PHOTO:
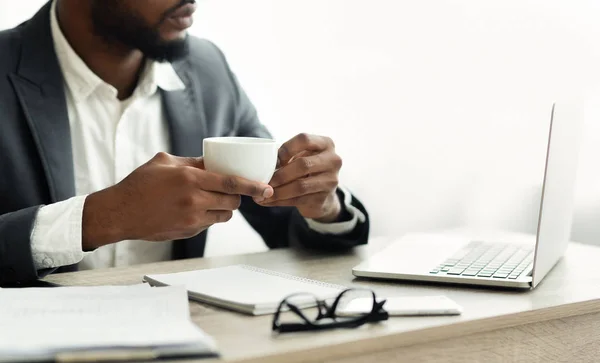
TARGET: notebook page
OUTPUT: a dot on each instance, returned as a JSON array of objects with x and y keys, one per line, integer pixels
[
  {"x": 243, "y": 285},
  {"x": 52, "y": 319}
]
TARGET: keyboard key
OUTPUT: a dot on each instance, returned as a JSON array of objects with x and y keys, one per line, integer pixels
[
  {"x": 434, "y": 271},
  {"x": 469, "y": 273},
  {"x": 500, "y": 276},
  {"x": 484, "y": 274}
]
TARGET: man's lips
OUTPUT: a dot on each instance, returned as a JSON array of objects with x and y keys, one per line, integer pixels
[
  {"x": 182, "y": 17},
  {"x": 184, "y": 11}
]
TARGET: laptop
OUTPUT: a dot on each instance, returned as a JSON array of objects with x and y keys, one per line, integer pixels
[{"x": 519, "y": 263}]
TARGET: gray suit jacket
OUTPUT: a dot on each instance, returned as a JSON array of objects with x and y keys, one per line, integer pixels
[{"x": 36, "y": 164}]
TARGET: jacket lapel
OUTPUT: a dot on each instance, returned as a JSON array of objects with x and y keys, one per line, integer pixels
[
  {"x": 187, "y": 127},
  {"x": 38, "y": 84},
  {"x": 185, "y": 115}
]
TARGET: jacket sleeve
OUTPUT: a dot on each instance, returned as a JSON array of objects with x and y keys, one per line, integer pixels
[
  {"x": 283, "y": 226},
  {"x": 16, "y": 261}
]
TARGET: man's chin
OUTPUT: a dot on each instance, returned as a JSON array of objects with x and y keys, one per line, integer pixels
[
  {"x": 167, "y": 37},
  {"x": 168, "y": 51}
]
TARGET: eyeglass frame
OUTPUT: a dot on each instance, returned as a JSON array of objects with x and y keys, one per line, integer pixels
[{"x": 325, "y": 311}]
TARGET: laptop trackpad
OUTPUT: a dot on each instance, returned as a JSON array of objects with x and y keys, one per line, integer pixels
[{"x": 414, "y": 254}]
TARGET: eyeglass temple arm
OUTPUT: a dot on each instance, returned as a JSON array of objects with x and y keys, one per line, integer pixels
[{"x": 295, "y": 327}]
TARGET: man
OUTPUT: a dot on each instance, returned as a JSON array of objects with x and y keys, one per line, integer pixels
[{"x": 103, "y": 108}]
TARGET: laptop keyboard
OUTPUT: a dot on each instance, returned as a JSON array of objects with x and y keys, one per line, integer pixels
[{"x": 482, "y": 259}]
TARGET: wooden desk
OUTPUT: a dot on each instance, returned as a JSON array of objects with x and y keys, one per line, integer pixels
[{"x": 558, "y": 321}]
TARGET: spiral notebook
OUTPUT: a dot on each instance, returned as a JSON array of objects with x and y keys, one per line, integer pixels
[{"x": 244, "y": 288}]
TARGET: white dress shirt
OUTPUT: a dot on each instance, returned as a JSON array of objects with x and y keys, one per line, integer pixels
[{"x": 110, "y": 139}]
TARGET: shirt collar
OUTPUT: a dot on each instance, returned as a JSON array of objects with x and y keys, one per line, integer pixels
[
  {"x": 155, "y": 75},
  {"x": 82, "y": 81}
]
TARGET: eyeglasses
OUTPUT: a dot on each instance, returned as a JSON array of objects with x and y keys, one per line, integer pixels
[{"x": 340, "y": 314}]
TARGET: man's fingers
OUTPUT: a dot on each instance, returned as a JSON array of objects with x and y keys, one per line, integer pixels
[
  {"x": 233, "y": 185},
  {"x": 168, "y": 159},
  {"x": 220, "y": 201},
  {"x": 315, "y": 199},
  {"x": 300, "y": 143},
  {"x": 324, "y": 182},
  {"x": 218, "y": 216},
  {"x": 217, "y": 183},
  {"x": 198, "y": 163},
  {"x": 292, "y": 202},
  {"x": 307, "y": 165}
]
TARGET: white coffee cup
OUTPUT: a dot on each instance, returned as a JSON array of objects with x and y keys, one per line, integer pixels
[{"x": 247, "y": 157}]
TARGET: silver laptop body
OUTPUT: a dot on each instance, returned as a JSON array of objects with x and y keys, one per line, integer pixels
[{"x": 511, "y": 262}]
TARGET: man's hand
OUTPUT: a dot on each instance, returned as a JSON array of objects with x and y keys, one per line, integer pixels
[
  {"x": 167, "y": 198},
  {"x": 307, "y": 178}
]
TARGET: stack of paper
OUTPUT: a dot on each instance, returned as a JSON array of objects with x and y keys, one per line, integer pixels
[{"x": 97, "y": 323}]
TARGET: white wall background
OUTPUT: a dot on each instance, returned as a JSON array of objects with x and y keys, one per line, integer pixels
[{"x": 440, "y": 108}]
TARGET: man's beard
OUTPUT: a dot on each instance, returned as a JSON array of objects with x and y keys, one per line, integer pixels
[{"x": 116, "y": 24}]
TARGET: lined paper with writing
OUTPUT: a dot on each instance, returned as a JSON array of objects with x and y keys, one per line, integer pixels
[{"x": 50, "y": 320}]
